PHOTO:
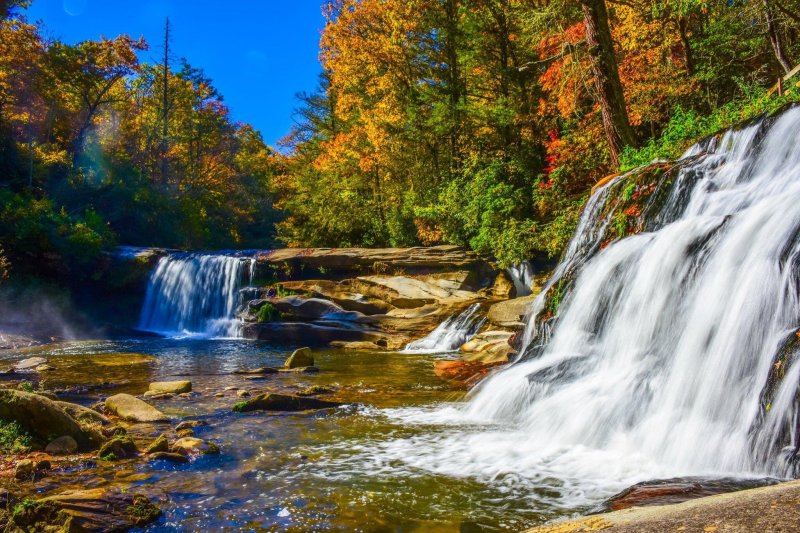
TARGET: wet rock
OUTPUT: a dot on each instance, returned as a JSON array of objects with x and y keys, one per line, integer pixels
[
  {"x": 187, "y": 432},
  {"x": 301, "y": 370},
  {"x": 510, "y": 313},
  {"x": 463, "y": 372},
  {"x": 150, "y": 395},
  {"x": 677, "y": 490},
  {"x": 44, "y": 368},
  {"x": 133, "y": 409},
  {"x": 219, "y": 395},
  {"x": 489, "y": 347},
  {"x": 261, "y": 371},
  {"x": 47, "y": 394},
  {"x": 109, "y": 432},
  {"x": 43, "y": 417},
  {"x": 83, "y": 414},
  {"x": 194, "y": 446},
  {"x": 301, "y": 357},
  {"x": 314, "y": 390},
  {"x": 95, "y": 511},
  {"x": 29, "y": 364},
  {"x": 242, "y": 394},
  {"x": 161, "y": 444},
  {"x": 231, "y": 388},
  {"x": 24, "y": 470},
  {"x": 62, "y": 446},
  {"x": 169, "y": 457},
  {"x": 189, "y": 424},
  {"x": 170, "y": 387},
  {"x": 282, "y": 402},
  {"x": 119, "y": 447},
  {"x": 364, "y": 346}
]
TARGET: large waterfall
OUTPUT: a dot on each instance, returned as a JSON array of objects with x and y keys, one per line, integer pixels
[
  {"x": 193, "y": 294},
  {"x": 672, "y": 352}
]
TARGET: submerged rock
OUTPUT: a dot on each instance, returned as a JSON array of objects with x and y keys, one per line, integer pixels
[
  {"x": 314, "y": 390},
  {"x": 170, "y": 387},
  {"x": 119, "y": 447},
  {"x": 161, "y": 444},
  {"x": 259, "y": 371},
  {"x": 95, "y": 511},
  {"x": 189, "y": 424},
  {"x": 301, "y": 357},
  {"x": 283, "y": 402},
  {"x": 169, "y": 457},
  {"x": 133, "y": 409}
]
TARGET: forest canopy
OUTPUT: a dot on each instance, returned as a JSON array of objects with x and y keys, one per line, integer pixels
[{"x": 482, "y": 123}]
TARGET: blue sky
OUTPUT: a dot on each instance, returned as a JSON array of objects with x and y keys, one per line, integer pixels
[{"x": 259, "y": 53}]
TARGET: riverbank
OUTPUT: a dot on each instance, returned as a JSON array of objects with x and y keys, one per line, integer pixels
[{"x": 774, "y": 509}]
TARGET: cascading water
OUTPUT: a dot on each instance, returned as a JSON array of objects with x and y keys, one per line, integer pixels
[
  {"x": 672, "y": 353},
  {"x": 450, "y": 334},
  {"x": 196, "y": 294},
  {"x": 522, "y": 278}
]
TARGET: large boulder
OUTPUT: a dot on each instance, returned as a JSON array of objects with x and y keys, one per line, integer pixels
[
  {"x": 133, "y": 409},
  {"x": 510, "y": 313},
  {"x": 95, "y": 511},
  {"x": 339, "y": 293},
  {"x": 489, "y": 347},
  {"x": 43, "y": 417},
  {"x": 170, "y": 387},
  {"x": 283, "y": 402}
]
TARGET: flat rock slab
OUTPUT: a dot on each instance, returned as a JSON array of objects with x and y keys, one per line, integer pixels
[
  {"x": 97, "y": 510},
  {"x": 133, "y": 409},
  {"x": 170, "y": 387},
  {"x": 283, "y": 402},
  {"x": 30, "y": 364},
  {"x": 775, "y": 509}
]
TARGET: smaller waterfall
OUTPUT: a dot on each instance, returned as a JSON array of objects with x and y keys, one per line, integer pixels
[
  {"x": 522, "y": 277},
  {"x": 196, "y": 295},
  {"x": 450, "y": 334}
]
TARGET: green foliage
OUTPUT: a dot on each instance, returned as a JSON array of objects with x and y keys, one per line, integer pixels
[
  {"x": 485, "y": 209},
  {"x": 14, "y": 438},
  {"x": 686, "y": 127},
  {"x": 268, "y": 313},
  {"x": 238, "y": 407},
  {"x": 26, "y": 386}
]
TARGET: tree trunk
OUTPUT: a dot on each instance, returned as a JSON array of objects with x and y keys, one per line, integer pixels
[
  {"x": 775, "y": 39},
  {"x": 606, "y": 78},
  {"x": 686, "y": 44}
]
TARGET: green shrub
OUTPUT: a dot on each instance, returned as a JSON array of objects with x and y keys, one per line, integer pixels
[
  {"x": 14, "y": 438},
  {"x": 268, "y": 313}
]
